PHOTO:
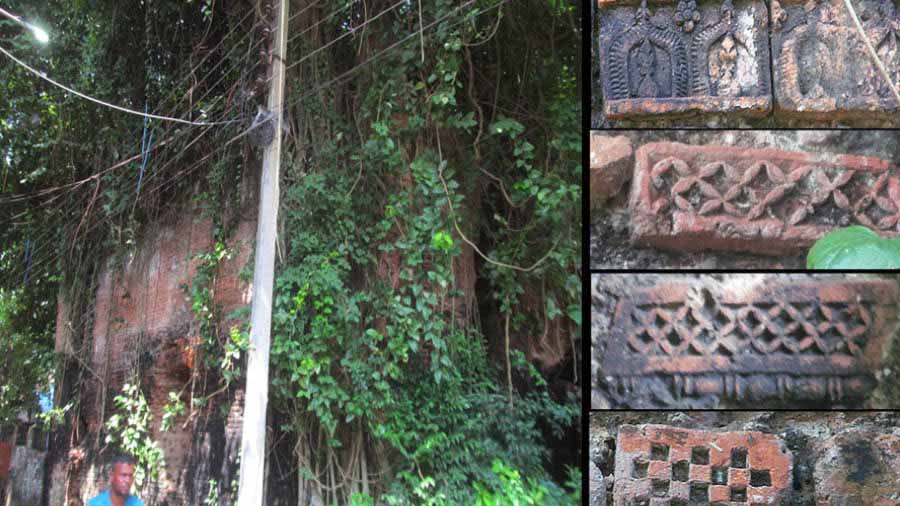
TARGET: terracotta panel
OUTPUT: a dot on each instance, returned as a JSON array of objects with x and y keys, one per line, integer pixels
[
  {"x": 765, "y": 453},
  {"x": 669, "y": 58},
  {"x": 767, "y": 201},
  {"x": 822, "y": 69},
  {"x": 816, "y": 340}
]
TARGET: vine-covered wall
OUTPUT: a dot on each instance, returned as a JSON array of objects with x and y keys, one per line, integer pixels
[{"x": 427, "y": 320}]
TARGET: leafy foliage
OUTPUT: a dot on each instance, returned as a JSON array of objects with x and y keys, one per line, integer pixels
[
  {"x": 388, "y": 325},
  {"x": 131, "y": 431},
  {"x": 26, "y": 356},
  {"x": 854, "y": 247}
]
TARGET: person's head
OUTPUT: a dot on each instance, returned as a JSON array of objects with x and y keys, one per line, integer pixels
[{"x": 121, "y": 474}]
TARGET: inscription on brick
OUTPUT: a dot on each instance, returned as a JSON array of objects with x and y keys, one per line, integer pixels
[
  {"x": 822, "y": 68},
  {"x": 815, "y": 340},
  {"x": 658, "y": 465},
  {"x": 756, "y": 200},
  {"x": 689, "y": 56}
]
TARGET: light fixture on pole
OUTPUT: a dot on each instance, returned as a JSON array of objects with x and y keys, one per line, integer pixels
[{"x": 39, "y": 33}]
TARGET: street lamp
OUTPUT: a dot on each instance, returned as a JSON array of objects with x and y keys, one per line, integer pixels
[{"x": 39, "y": 33}]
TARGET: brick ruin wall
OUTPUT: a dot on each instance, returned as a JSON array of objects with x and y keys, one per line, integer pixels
[
  {"x": 23, "y": 451},
  {"x": 142, "y": 320}
]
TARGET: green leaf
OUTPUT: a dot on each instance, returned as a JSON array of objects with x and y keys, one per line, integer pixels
[{"x": 854, "y": 248}]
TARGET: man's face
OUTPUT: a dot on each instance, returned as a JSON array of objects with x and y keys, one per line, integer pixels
[{"x": 120, "y": 479}]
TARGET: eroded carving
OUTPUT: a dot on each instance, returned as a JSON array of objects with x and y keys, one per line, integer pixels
[
  {"x": 783, "y": 341},
  {"x": 682, "y": 54},
  {"x": 821, "y": 62}
]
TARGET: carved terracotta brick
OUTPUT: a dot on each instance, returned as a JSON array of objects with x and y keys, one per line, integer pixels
[
  {"x": 768, "y": 201},
  {"x": 683, "y": 57},
  {"x": 763, "y": 338},
  {"x": 693, "y": 481},
  {"x": 612, "y": 163},
  {"x": 822, "y": 68}
]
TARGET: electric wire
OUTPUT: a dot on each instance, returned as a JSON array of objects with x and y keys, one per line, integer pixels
[
  {"x": 157, "y": 146},
  {"x": 186, "y": 172},
  {"x": 43, "y": 76}
]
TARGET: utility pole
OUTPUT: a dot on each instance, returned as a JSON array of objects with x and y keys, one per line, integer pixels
[{"x": 256, "y": 397}]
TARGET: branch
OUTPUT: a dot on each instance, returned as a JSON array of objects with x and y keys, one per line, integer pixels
[
  {"x": 472, "y": 244},
  {"x": 872, "y": 53}
]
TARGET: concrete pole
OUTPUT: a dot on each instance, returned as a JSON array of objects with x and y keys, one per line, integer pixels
[{"x": 253, "y": 435}]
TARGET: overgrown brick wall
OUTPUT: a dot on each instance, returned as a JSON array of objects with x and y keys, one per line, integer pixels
[{"x": 142, "y": 322}]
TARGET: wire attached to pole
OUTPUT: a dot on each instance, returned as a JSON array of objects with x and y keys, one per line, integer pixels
[{"x": 107, "y": 104}]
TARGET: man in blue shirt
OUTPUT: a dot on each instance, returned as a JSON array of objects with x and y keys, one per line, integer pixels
[{"x": 121, "y": 476}]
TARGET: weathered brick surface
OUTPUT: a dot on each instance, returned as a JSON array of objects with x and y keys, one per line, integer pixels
[
  {"x": 142, "y": 319},
  {"x": 674, "y": 59},
  {"x": 822, "y": 69},
  {"x": 597, "y": 490},
  {"x": 612, "y": 163},
  {"x": 5, "y": 456},
  {"x": 142, "y": 307},
  {"x": 769, "y": 201},
  {"x": 701, "y": 467},
  {"x": 818, "y": 340},
  {"x": 859, "y": 467}
]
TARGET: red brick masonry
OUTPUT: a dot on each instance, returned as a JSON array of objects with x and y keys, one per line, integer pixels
[
  {"x": 611, "y": 163},
  {"x": 658, "y": 465},
  {"x": 769, "y": 201},
  {"x": 758, "y": 339}
]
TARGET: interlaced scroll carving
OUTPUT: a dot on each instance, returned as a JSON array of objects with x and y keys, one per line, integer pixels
[
  {"x": 756, "y": 200},
  {"x": 809, "y": 194}
]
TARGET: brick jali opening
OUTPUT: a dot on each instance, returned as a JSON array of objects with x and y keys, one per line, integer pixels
[
  {"x": 699, "y": 469},
  {"x": 719, "y": 475},
  {"x": 699, "y": 493},
  {"x": 760, "y": 478},
  {"x": 660, "y": 488},
  {"x": 680, "y": 471},
  {"x": 739, "y": 458},
  {"x": 640, "y": 469},
  {"x": 659, "y": 452},
  {"x": 700, "y": 455}
]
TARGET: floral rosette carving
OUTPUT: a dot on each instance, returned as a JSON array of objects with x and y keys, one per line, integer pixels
[
  {"x": 884, "y": 208},
  {"x": 745, "y": 195},
  {"x": 825, "y": 189},
  {"x": 687, "y": 16}
]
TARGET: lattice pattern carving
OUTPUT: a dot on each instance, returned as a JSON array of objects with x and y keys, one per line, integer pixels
[
  {"x": 760, "y": 328},
  {"x": 815, "y": 340}
]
